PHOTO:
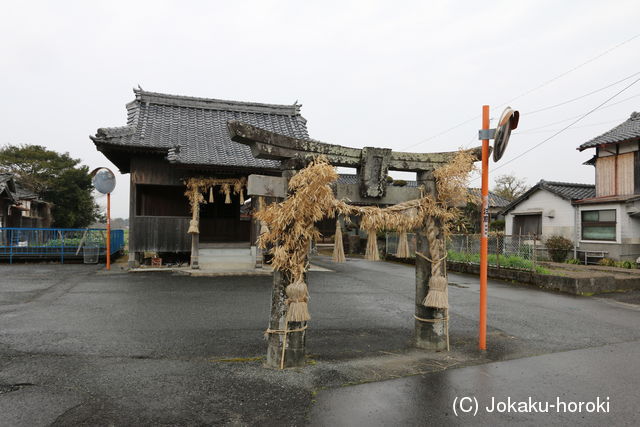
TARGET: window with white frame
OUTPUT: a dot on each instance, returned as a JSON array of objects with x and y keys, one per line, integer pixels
[{"x": 599, "y": 224}]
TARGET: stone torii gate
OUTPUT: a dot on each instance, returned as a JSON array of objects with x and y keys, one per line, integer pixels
[{"x": 372, "y": 165}]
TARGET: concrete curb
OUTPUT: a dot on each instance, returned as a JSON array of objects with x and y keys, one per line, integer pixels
[{"x": 571, "y": 285}]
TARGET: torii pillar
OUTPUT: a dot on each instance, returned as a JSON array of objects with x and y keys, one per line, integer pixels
[
  {"x": 373, "y": 165},
  {"x": 430, "y": 323}
]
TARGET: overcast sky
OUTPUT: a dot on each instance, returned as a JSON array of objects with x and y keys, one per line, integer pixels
[{"x": 389, "y": 74}]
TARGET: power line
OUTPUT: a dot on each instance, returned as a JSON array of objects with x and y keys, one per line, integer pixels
[
  {"x": 574, "y": 117},
  {"x": 442, "y": 133},
  {"x": 563, "y": 129},
  {"x": 559, "y": 76},
  {"x": 529, "y": 132},
  {"x": 573, "y": 69},
  {"x": 581, "y": 96}
]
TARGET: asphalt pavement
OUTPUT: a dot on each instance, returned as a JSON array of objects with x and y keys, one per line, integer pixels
[
  {"x": 82, "y": 346},
  {"x": 595, "y": 386}
]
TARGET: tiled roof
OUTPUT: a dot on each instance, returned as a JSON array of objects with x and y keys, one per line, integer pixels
[
  {"x": 495, "y": 201},
  {"x": 607, "y": 199},
  {"x": 627, "y": 131},
  {"x": 15, "y": 191},
  {"x": 567, "y": 190},
  {"x": 22, "y": 193},
  {"x": 193, "y": 131},
  {"x": 7, "y": 185}
]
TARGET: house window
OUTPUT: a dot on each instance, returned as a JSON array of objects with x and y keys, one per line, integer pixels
[
  {"x": 527, "y": 224},
  {"x": 599, "y": 225}
]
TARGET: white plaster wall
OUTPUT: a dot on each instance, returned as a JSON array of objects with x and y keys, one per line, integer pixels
[
  {"x": 625, "y": 147},
  {"x": 562, "y": 221},
  {"x": 627, "y": 227}
]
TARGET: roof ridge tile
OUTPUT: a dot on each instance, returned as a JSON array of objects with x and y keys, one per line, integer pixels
[{"x": 216, "y": 104}]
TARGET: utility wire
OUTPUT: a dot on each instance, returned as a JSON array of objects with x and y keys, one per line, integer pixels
[
  {"x": 575, "y": 117},
  {"x": 573, "y": 69},
  {"x": 581, "y": 96},
  {"x": 529, "y": 132},
  {"x": 563, "y": 129},
  {"x": 528, "y": 113},
  {"x": 441, "y": 133},
  {"x": 559, "y": 76}
]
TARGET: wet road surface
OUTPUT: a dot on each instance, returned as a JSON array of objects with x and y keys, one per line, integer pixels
[
  {"x": 551, "y": 387},
  {"x": 78, "y": 346}
]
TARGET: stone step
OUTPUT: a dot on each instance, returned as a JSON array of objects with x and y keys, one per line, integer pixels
[
  {"x": 225, "y": 252},
  {"x": 221, "y": 259},
  {"x": 234, "y": 265}
]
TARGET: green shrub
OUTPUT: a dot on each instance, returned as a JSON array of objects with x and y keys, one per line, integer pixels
[
  {"x": 388, "y": 179},
  {"x": 497, "y": 225},
  {"x": 573, "y": 261},
  {"x": 607, "y": 262},
  {"x": 558, "y": 248},
  {"x": 625, "y": 264},
  {"x": 399, "y": 182}
]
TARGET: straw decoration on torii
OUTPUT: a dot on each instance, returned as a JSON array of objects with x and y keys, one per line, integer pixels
[
  {"x": 291, "y": 224},
  {"x": 202, "y": 190}
]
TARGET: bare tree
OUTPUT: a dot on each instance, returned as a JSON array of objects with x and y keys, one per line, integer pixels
[{"x": 510, "y": 187}]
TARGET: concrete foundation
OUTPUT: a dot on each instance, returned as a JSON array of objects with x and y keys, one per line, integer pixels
[{"x": 597, "y": 283}]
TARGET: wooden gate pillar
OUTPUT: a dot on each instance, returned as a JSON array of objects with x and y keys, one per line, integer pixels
[
  {"x": 430, "y": 323},
  {"x": 195, "y": 235}
]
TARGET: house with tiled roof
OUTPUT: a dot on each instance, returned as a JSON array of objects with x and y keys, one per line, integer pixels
[
  {"x": 603, "y": 218},
  {"x": 610, "y": 219},
  {"x": 168, "y": 139},
  {"x": 20, "y": 207},
  {"x": 548, "y": 208},
  {"x": 7, "y": 197}
]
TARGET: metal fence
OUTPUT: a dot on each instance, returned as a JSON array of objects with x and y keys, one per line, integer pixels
[
  {"x": 503, "y": 249},
  {"x": 55, "y": 243},
  {"x": 500, "y": 247},
  {"x": 528, "y": 247}
]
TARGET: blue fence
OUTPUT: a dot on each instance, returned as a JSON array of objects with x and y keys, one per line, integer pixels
[{"x": 56, "y": 243}]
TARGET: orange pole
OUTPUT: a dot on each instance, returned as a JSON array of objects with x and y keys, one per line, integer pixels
[
  {"x": 484, "y": 231},
  {"x": 108, "y": 231}
]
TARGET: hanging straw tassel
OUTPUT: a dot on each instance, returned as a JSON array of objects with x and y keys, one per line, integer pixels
[
  {"x": 210, "y": 194},
  {"x": 438, "y": 296},
  {"x": 226, "y": 189},
  {"x": 193, "y": 227},
  {"x": 297, "y": 297},
  {"x": 241, "y": 197},
  {"x": 372, "y": 247},
  {"x": 338, "y": 248},
  {"x": 403, "y": 246}
]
